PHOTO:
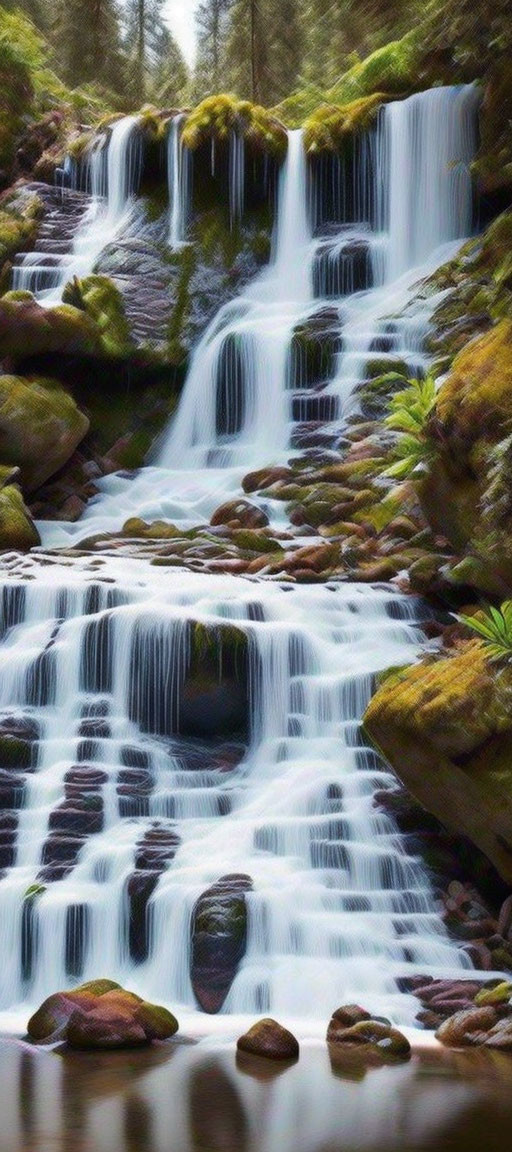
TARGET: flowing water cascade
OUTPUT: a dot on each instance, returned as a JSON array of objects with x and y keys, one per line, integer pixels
[
  {"x": 95, "y": 665},
  {"x": 124, "y": 774},
  {"x": 179, "y": 175},
  {"x": 111, "y": 174}
]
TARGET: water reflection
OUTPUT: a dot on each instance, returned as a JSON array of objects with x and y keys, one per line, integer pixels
[{"x": 192, "y": 1099}]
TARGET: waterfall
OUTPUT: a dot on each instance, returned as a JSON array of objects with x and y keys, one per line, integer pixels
[
  {"x": 179, "y": 180},
  {"x": 112, "y": 172},
  {"x": 94, "y": 657},
  {"x": 236, "y": 178},
  {"x": 432, "y": 139},
  {"x": 339, "y": 908}
]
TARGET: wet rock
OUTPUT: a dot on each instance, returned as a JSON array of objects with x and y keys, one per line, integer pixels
[
  {"x": 344, "y": 1018},
  {"x": 501, "y": 994},
  {"x": 100, "y": 1014},
  {"x": 269, "y": 1039},
  {"x": 219, "y": 937},
  {"x": 466, "y": 1027},
  {"x": 119, "y": 1019},
  {"x": 374, "y": 1038},
  {"x": 17, "y": 737},
  {"x": 239, "y": 514},
  {"x": 55, "y": 1012}
]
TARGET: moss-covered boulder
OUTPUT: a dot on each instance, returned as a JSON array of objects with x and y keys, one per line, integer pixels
[
  {"x": 371, "y": 1038},
  {"x": 466, "y": 490},
  {"x": 18, "y": 532},
  {"x": 445, "y": 726},
  {"x": 40, "y": 427},
  {"x": 54, "y": 1013},
  {"x": 99, "y": 298},
  {"x": 17, "y": 738},
  {"x": 27, "y": 329},
  {"x": 100, "y": 1014},
  {"x": 218, "y": 939}
]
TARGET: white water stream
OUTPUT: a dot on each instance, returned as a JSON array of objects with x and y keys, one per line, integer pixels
[{"x": 339, "y": 909}]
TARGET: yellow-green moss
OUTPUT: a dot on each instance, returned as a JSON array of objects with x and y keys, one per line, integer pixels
[
  {"x": 27, "y": 329},
  {"x": 40, "y": 427},
  {"x": 445, "y": 727},
  {"x": 219, "y": 116},
  {"x": 330, "y": 124},
  {"x": 99, "y": 298},
  {"x": 17, "y": 531},
  {"x": 476, "y": 399}
]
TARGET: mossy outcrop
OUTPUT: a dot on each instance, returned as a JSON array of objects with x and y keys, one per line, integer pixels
[
  {"x": 465, "y": 490},
  {"x": 98, "y": 298},
  {"x": 18, "y": 533},
  {"x": 218, "y": 116},
  {"x": 28, "y": 330},
  {"x": 445, "y": 726},
  {"x": 329, "y": 125},
  {"x": 40, "y": 426}
]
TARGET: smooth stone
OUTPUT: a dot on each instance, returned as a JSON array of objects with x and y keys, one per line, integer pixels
[{"x": 269, "y": 1039}]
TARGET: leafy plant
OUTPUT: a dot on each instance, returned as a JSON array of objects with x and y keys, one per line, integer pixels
[
  {"x": 494, "y": 625},
  {"x": 410, "y": 413}
]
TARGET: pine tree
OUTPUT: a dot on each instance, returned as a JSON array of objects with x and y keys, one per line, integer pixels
[
  {"x": 148, "y": 43},
  {"x": 87, "y": 40},
  {"x": 211, "y": 26},
  {"x": 264, "y": 48}
]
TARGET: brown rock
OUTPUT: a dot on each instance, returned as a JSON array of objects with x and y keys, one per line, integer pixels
[
  {"x": 464, "y": 1027},
  {"x": 269, "y": 1039},
  {"x": 344, "y": 1018},
  {"x": 376, "y": 1037}
]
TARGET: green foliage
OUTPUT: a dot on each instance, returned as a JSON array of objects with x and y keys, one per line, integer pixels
[
  {"x": 218, "y": 116},
  {"x": 410, "y": 413},
  {"x": 494, "y": 625}
]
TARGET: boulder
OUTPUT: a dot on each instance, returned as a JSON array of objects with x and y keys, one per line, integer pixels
[
  {"x": 219, "y": 937},
  {"x": 17, "y": 737},
  {"x": 444, "y": 725},
  {"x": 269, "y": 1039},
  {"x": 466, "y": 1027},
  {"x": 344, "y": 1018},
  {"x": 239, "y": 514},
  {"x": 40, "y": 427},
  {"x": 18, "y": 532},
  {"x": 54, "y": 1013},
  {"x": 100, "y": 1014},
  {"x": 372, "y": 1038},
  {"x": 27, "y": 329}
]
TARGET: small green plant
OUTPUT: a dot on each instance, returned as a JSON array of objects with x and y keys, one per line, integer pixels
[
  {"x": 494, "y": 625},
  {"x": 33, "y": 891},
  {"x": 410, "y": 413}
]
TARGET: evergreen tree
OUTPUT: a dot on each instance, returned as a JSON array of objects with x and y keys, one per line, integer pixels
[
  {"x": 264, "y": 48},
  {"x": 87, "y": 40},
  {"x": 211, "y": 27},
  {"x": 151, "y": 49}
]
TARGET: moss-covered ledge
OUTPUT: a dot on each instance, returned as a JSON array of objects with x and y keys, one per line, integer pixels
[
  {"x": 445, "y": 727},
  {"x": 218, "y": 116}
]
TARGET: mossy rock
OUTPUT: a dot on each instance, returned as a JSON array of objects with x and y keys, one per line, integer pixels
[
  {"x": 475, "y": 401},
  {"x": 329, "y": 126},
  {"x": 99, "y": 298},
  {"x": 218, "y": 939},
  {"x": 27, "y": 329},
  {"x": 218, "y": 116},
  {"x": 40, "y": 427},
  {"x": 445, "y": 727},
  {"x": 18, "y": 533}
]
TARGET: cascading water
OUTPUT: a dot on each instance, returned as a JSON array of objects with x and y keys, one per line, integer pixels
[
  {"x": 179, "y": 180},
  {"x": 95, "y": 654},
  {"x": 112, "y": 170}
]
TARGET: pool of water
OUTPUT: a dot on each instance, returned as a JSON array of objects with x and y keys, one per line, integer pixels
[{"x": 197, "y": 1098}]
